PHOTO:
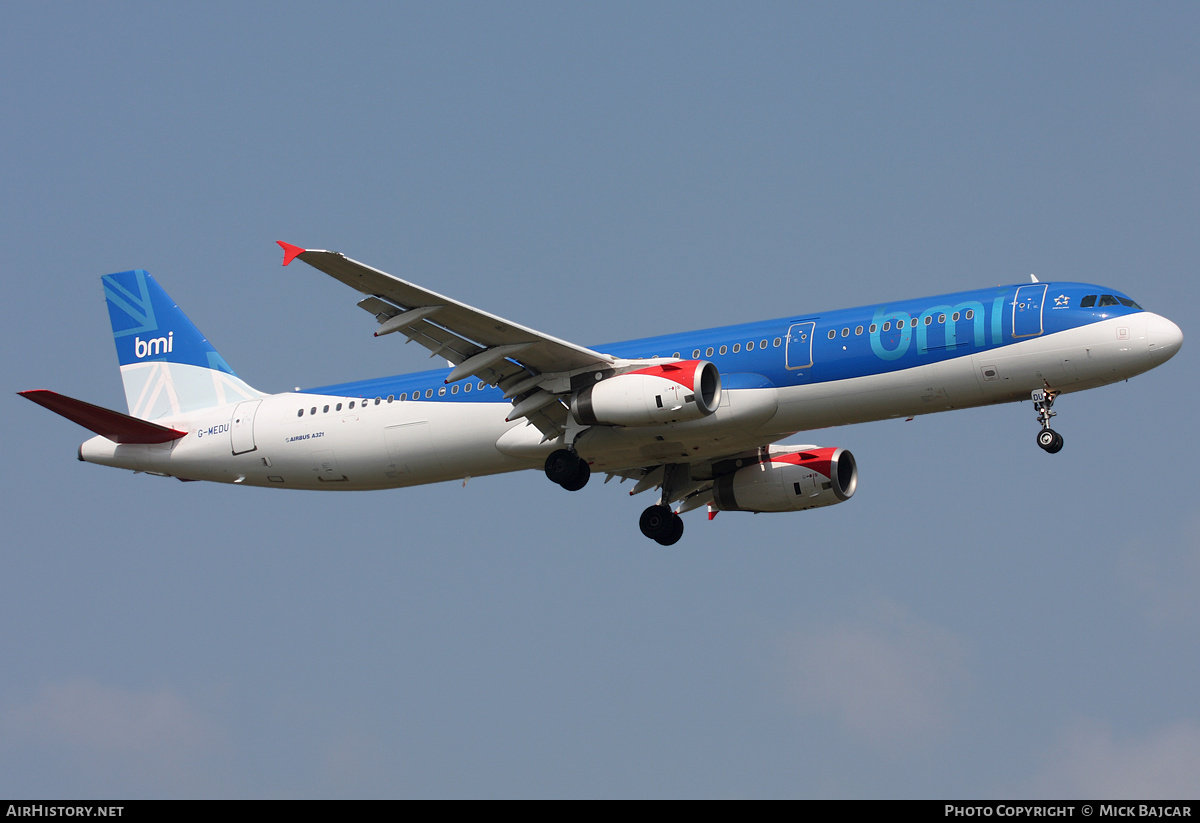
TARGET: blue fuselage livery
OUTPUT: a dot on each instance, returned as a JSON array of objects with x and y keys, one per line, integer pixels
[
  {"x": 848, "y": 343},
  {"x": 696, "y": 415}
]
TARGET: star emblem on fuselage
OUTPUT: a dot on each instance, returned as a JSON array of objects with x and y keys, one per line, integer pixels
[{"x": 1061, "y": 301}]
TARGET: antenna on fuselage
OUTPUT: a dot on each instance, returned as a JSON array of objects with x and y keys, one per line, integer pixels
[{"x": 1033, "y": 277}]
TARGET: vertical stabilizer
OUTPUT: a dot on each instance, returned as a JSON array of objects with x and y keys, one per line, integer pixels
[{"x": 167, "y": 365}]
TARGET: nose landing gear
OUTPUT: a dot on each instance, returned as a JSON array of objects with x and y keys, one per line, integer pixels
[{"x": 1048, "y": 439}]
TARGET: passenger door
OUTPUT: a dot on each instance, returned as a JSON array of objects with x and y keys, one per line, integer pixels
[{"x": 800, "y": 345}]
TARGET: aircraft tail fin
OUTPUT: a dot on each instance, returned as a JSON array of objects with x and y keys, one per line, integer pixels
[{"x": 167, "y": 365}]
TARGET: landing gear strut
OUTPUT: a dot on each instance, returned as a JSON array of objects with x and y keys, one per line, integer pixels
[
  {"x": 568, "y": 470},
  {"x": 1050, "y": 441}
]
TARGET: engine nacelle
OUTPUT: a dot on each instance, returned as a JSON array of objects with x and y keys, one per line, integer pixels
[
  {"x": 666, "y": 393},
  {"x": 789, "y": 481}
]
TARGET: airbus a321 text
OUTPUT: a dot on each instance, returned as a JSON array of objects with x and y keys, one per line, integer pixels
[{"x": 696, "y": 415}]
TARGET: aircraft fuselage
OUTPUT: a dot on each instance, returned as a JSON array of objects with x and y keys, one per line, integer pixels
[{"x": 797, "y": 373}]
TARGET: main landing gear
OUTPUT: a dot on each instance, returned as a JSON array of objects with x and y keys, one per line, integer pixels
[
  {"x": 568, "y": 469},
  {"x": 661, "y": 525},
  {"x": 1050, "y": 441},
  {"x": 658, "y": 522}
]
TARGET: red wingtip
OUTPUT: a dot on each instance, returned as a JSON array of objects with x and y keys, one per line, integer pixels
[{"x": 289, "y": 251}]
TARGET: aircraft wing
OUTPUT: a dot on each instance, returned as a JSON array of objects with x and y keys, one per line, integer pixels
[{"x": 530, "y": 366}]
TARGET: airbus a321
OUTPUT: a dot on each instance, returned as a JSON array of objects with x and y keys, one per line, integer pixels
[{"x": 697, "y": 416}]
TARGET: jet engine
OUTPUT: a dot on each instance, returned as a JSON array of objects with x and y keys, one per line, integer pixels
[
  {"x": 788, "y": 481},
  {"x": 666, "y": 393}
]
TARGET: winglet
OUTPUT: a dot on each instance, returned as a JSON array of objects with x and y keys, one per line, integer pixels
[{"x": 290, "y": 252}]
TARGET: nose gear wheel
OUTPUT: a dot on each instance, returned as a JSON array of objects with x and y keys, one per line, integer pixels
[{"x": 1048, "y": 439}]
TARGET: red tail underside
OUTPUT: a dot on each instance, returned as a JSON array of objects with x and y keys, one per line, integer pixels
[{"x": 117, "y": 427}]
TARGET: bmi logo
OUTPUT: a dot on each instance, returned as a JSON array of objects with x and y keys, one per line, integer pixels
[{"x": 158, "y": 345}]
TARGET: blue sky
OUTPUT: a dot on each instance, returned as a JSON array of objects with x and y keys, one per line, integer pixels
[{"x": 980, "y": 620}]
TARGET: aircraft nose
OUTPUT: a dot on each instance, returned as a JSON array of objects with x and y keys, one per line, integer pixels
[{"x": 1163, "y": 337}]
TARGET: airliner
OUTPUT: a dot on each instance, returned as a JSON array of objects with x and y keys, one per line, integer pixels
[{"x": 697, "y": 416}]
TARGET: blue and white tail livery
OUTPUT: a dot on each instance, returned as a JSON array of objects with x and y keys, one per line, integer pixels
[
  {"x": 697, "y": 416},
  {"x": 167, "y": 365}
]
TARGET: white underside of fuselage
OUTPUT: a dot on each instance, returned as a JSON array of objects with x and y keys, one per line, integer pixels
[{"x": 387, "y": 445}]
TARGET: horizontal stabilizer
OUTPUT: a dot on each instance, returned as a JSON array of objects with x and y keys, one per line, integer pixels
[{"x": 117, "y": 427}]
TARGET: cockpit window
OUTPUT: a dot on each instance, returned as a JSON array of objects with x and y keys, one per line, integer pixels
[{"x": 1108, "y": 300}]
